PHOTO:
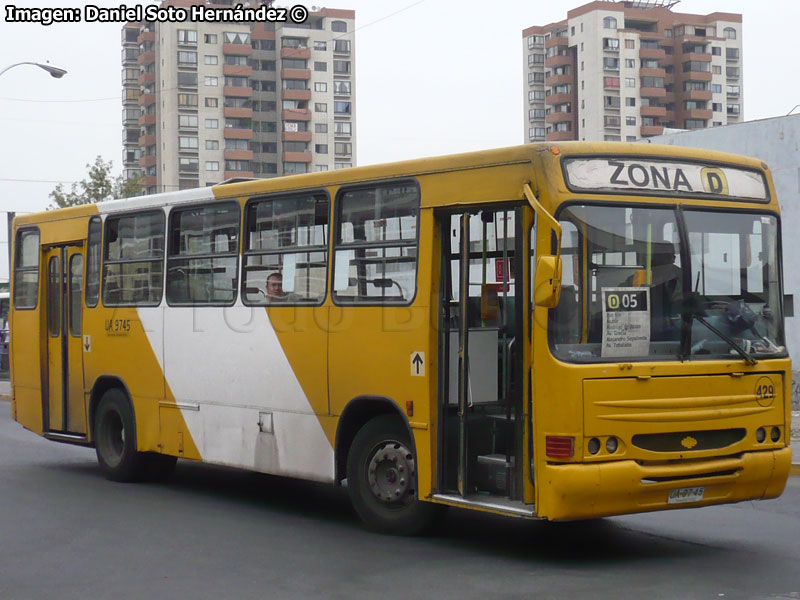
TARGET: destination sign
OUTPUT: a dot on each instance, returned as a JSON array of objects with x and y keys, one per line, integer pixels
[{"x": 671, "y": 178}]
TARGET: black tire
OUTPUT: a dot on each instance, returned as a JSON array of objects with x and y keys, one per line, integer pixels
[
  {"x": 382, "y": 479},
  {"x": 115, "y": 438}
]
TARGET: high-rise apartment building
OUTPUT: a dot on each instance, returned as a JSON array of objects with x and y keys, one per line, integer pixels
[
  {"x": 621, "y": 71},
  {"x": 207, "y": 101}
]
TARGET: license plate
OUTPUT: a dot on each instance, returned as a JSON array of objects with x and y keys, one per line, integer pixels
[{"x": 681, "y": 495}]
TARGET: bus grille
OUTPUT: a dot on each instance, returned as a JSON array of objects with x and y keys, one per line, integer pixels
[{"x": 688, "y": 441}]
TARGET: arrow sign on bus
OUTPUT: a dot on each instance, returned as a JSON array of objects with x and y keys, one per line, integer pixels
[{"x": 418, "y": 364}]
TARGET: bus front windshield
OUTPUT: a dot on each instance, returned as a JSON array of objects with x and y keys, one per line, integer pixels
[{"x": 631, "y": 290}]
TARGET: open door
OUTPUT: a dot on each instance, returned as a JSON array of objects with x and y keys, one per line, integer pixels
[
  {"x": 65, "y": 409},
  {"x": 481, "y": 351}
]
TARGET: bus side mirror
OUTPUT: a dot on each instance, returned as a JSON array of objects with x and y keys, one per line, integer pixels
[{"x": 547, "y": 282}]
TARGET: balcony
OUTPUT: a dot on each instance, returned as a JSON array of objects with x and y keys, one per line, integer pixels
[
  {"x": 146, "y": 58},
  {"x": 147, "y": 120},
  {"x": 652, "y": 92},
  {"x": 696, "y": 56},
  {"x": 296, "y": 94},
  {"x": 302, "y": 157},
  {"x": 651, "y": 130},
  {"x": 558, "y": 80},
  {"x": 237, "y": 49},
  {"x": 558, "y": 98},
  {"x": 147, "y": 140},
  {"x": 652, "y": 53},
  {"x": 145, "y": 78},
  {"x": 653, "y": 111},
  {"x": 234, "y": 174},
  {"x": 296, "y": 53},
  {"x": 659, "y": 72},
  {"x": 237, "y": 113},
  {"x": 237, "y": 134},
  {"x": 560, "y": 136},
  {"x": 697, "y": 95},
  {"x": 147, "y": 161},
  {"x": 296, "y": 114},
  {"x": 237, "y": 70},
  {"x": 558, "y": 117},
  {"x": 149, "y": 180},
  {"x": 557, "y": 61},
  {"x": 238, "y": 154},
  {"x": 296, "y": 136},
  {"x": 556, "y": 41},
  {"x": 237, "y": 92},
  {"x": 295, "y": 73},
  {"x": 146, "y": 36},
  {"x": 259, "y": 33},
  {"x": 696, "y": 76},
  {"x": 695, "y": 113}
]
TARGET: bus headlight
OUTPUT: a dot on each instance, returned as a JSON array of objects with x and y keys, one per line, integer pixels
[
  {"x": 593, "y": 446},
  {"x": 775, "y": 434},
  {"x": 761, "y": 434},
  {"x": 611, "y": 445}
]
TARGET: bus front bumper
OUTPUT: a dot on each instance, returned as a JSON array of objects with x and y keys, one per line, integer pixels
[{"x": 585, "y": 491}]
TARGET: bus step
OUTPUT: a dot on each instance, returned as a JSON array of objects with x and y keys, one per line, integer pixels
[
  {"x": 493, "y": 504},
  {"x": 68, "y": 438}
]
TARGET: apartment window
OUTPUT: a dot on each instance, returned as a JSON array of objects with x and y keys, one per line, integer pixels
[
  {"x": 188, "y": 164},
  {"x": 536, "y": 114},
  {"x": 233, "y": 144},
  {"x": 536, "y": 77},
  {"x": 236, "y": 38},
  {"x": 187, "y": 58},
  {"x": 630, "y": 82},
  {"x": 211, "y": 81},
  {"x": 237, "y": 165},
  {"x": 211, "y": 102},
  {"x": 236, "y": 61},
  {"x": 294, "y": 63},
  {"x": 732, "y": 72},
  {"x": 696, "y": 66},
  {"x": 234, "y": 102},
  {"x": 611, "y": 63},
  {"x": 320, "y": 107},
  {"x": 341, "y": 66},
  {"x": 320, "y": 128},
  {"x": 535, "y": 59},
  {"x": 187, "y": 100},
  {"x": 716, "y": 88},
  {"x": 566, "y": 88},
  {"x": 266, "y": 106},
  {"x": 321, "y": 46},
  {"x": 187, "y": 142},
  {"x": 212, "y": 165},
  {"x": 341, "y": 108},
  {"x": 210, "y": 59},
  {"x": 376, "y": 245},
  {"x": 716, "y": 106},
  {"x": 701, "y": 86},
  {"x": 203, "y": 255},
  {"x": 694, "y": 124},
  {"x": 321, "y": 148},
  {"x": 286, "y": 237},
  {"x": 536, "y": 132},
  {"x": 318, "y": 168},
  {"x": 536, "y": 96},
  {"x": 133, "y": 264},
  {"x": 212, "y": 123},
  {"x": 612, "y": 138},
  {"x": 652, "y": 82},
  {"x": 235, "y": 81},
  {"x": 342, "y": 128},
  {"x": 210, "y": 38},
  {"x": 716, "y": 51},
  {"x": 611, "y": 82},
  {"x": 611, "y": 120},
  {"x": 26, "y": 269},
  {"x": 733, "y": 109},
  {"x": 611, "y": 101},
  {"x": 630, "y": 44},
  {"x": 630, "y": 121},
  {"x": 535, "y": 40},
  {"x": 212, "y": 144},
  {"x": 610, "y": 44},
  {"x": 320, "y": 86},
  {"x": 732, "y": 53},
  {"x": 320, "y": 66},
  {"x": 294, "y": 126},
  {"x": 187, "y": 121},
  {"x": 339, "y": 26},
  {"x": 295, "y": 146},
  {"x": 295, "y": 167},
  {"x": 732, "y": 90},
  {"x": 716, "y": 69},
  {"x": 341, "y": 88},
  {"x": 630, "y": 101},
  {"x": 342, "y": 46},
  {"x": 609, "y": 23},
  {"x": 630, "y": 63},
  {"x": 343, "y": 148},
  {"x": 562, "y": 126},
  {"x": 342, "y": 165},
  {"x": 729, "y": 33},
  {"x": 187, "y": 79},
  {"x": 187, "y": 36}
]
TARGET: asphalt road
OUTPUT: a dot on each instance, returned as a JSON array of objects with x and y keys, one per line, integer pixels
[{"x": 65, "y": 532}]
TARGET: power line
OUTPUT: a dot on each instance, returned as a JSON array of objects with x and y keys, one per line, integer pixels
[{"x": 37, "y": 180}]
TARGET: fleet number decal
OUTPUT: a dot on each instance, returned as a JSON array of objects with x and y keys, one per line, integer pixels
[
  {"x": 117, "y": 327},
  {"x": 765, "y": 391}
]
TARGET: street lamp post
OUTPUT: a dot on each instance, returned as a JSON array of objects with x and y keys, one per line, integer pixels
[{"x": 54, "y": 71}]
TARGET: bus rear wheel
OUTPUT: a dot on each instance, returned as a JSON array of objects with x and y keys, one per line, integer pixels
[
  {"x": 115, "y": 438},
  {"x": 382, "y": 479}
]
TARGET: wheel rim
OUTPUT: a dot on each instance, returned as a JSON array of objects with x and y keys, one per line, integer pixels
[
  {"x": 390, "y": 473},
  {"x": 112, "y": 438}
]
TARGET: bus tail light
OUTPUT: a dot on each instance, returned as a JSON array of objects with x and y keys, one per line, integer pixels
[{"x": 559, "y": 446}]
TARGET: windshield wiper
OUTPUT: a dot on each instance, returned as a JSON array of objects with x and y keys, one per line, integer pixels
[{"x": 748, "y": 358}]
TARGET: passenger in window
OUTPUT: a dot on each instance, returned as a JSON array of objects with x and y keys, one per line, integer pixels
[{"x": 275, "y": 291}]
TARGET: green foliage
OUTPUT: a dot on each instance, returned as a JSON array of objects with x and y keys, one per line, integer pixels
[{"x": 97, "y": 187}]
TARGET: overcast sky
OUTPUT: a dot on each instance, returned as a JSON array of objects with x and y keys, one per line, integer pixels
[{"x": 432, "y": 77}]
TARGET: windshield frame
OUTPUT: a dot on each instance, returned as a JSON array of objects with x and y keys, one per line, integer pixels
[{"x": 687, "y": 318}]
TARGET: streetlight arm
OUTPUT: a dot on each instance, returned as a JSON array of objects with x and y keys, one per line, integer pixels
[{"x": 54, "y": 71}]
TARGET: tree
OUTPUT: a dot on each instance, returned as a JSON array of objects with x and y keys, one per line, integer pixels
[{"x": 98, "y": 187}]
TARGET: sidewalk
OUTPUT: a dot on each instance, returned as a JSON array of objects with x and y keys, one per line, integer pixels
[{"x": 795, "y": 443}]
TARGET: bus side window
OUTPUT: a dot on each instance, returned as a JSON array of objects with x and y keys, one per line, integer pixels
[
  {"x": 26, "y": 269},
  {"x": 93, "y": 262}
]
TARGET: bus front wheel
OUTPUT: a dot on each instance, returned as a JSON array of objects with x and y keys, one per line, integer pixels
[
  {"x": 382, "y": 479},
  {"x": 115, "y": 438}
]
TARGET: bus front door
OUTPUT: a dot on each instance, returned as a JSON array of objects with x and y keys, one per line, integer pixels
[
  {"x": 64, "y": 406},
  {"x": 480, "y": 347}
]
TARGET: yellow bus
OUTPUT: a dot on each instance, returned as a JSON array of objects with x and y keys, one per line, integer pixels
[{"x": 560, "y": 331}]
